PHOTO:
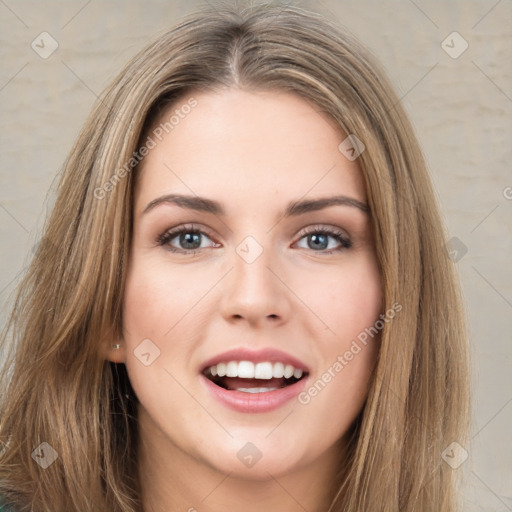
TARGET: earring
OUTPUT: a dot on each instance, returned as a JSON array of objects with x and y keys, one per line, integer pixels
[{"x": 117, "y": 346}]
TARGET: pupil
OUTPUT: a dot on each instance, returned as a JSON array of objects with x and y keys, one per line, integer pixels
[
  {"x": 188, "y": 238},
  {"x": 316, "y": 237}
]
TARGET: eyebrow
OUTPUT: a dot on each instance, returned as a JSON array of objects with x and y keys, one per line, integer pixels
[{"x": 293, "y": 208}]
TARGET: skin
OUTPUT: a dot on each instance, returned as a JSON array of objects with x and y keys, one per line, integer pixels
[{"x": 254, "y": 152}]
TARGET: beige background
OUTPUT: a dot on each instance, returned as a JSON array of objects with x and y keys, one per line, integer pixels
[{"x": 461, "y": 108}]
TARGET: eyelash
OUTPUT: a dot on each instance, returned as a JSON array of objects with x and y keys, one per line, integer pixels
[{"x": 165, "y": 238}]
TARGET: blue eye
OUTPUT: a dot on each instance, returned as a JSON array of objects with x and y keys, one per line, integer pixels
[
  {"x": 190, "y": 238},
  {"x": 319, "y": 239}
]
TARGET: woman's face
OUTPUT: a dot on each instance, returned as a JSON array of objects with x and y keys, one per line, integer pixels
[{"x": 256, "y": 285}]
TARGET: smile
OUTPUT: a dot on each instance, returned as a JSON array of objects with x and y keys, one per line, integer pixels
[
  {"x": 253, "y": 383},
  {"x": 248, "y": 377}
]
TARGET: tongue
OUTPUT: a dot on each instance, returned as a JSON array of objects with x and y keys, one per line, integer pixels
[{"x": 237, "y": 382}]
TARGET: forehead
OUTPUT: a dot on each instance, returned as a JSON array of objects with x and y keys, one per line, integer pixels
[{"x": 242, "y": 145}]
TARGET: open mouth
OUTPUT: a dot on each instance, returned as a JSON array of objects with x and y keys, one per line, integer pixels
[{"x": 249, "y": 377}]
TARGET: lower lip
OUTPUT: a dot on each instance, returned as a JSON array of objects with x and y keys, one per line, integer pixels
[{"x": 254, "y": 402}]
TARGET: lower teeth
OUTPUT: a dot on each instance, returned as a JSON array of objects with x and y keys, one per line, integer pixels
[{"x": 255, "y": 390}]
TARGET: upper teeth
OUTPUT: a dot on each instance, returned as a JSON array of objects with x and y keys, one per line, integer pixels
[{"x": 249, "y": 370}]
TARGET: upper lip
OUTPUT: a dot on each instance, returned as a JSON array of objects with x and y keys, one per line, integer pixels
[{"x": 256, "y": 356}]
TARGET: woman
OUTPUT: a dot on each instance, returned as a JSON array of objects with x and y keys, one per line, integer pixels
[{"x": 308, "y": 354}]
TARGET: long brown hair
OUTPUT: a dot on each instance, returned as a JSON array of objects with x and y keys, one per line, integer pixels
[{"x": 56, "y": 389}]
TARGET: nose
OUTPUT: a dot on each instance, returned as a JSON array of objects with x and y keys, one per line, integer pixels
[{"x": 254, "y": 290}]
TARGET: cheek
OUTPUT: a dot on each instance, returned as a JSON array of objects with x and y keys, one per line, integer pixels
[
  {"x": 155, "y": 308},
  {"x": 155, "y": 299},
  {"x": 349, "y": 352},
  {"x": 165, "y": 306},
  {"x": 353, "y": 302}
]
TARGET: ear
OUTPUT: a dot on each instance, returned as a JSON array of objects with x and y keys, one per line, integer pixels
[{"x": 113, "y": 348}]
